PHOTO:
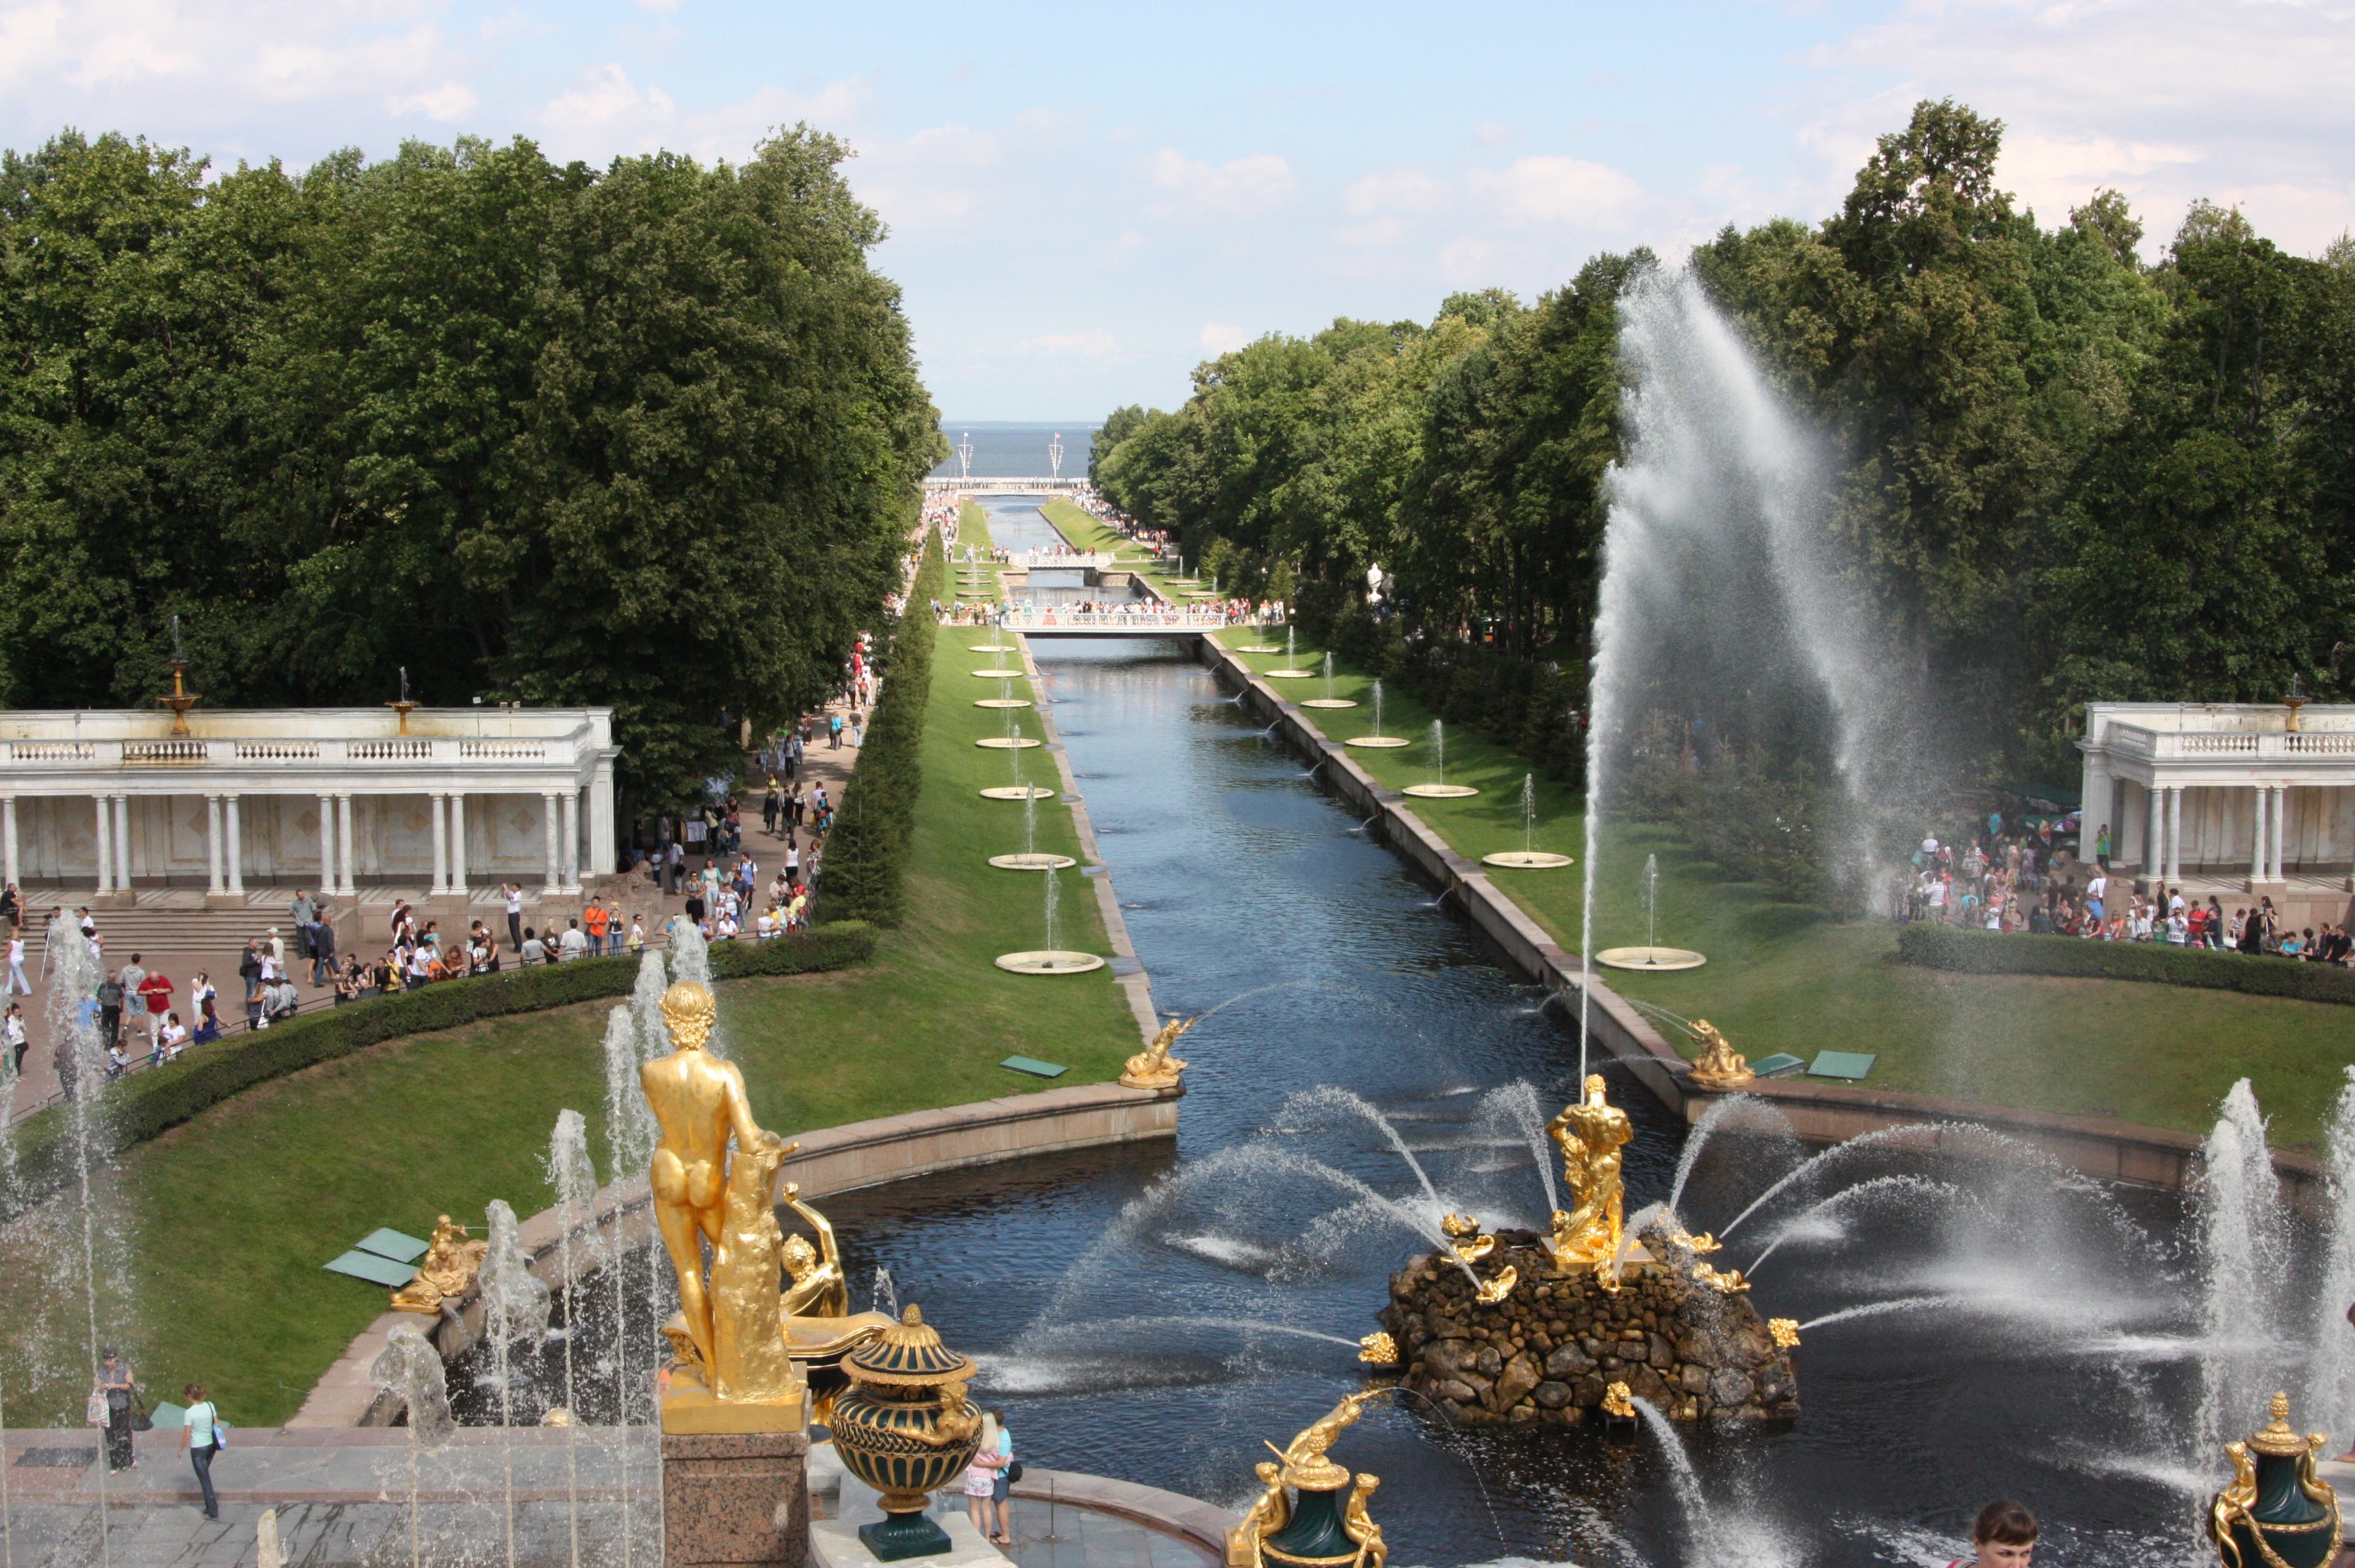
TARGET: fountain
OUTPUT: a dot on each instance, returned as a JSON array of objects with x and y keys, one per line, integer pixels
[
  {"x": 1053, "y": 958},
  {"x": 1328, "y": 699},
  {"x": 1651, "y": 956},
  {"x": 1376, "y": 742},
  {"x": 1005, "y": 697},
  {"x": 1012, "y": 741},
  {"x": 410, "y": 1369},
  {"x": 515, "y": 1314},
  {"x": 2275, "y": 1511},
  {"x": 1030, "y": 860},
  {"x": 1528, "y": 856},
  {"x": 1303, "y": 1520},
  {"x": 1290, "y": 670},
  {"x": 1439, "y": 788}
]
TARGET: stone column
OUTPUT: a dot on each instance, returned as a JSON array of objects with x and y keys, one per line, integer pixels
[
  {"x": 236, "y": 867},
  {"x": 122, "y": 844},
  {"x": 740, "y": 1499},
  {"x": 441, "y": 847},
  {"x": 547, "y": 821},
  {"x": 213, "y": 845},
  {"x": 2174, "y": 835},
  {"x": 105, "y": 849},
  {"x": 344, "y": 884},
  {"x": 327, "y": 844},
  {"x": 2279, "y": 814},
  {"x": 2257, "y": 837},
  {"x": 604, "y": 855},
  {"x": 8, "y": 838},
  {"x": 458, "y": 843},
  {"x": 2154, "y": 837},
  {"x": 571, "y": 841}
]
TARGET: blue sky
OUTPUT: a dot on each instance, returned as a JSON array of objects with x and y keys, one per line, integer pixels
[{"x": 1086, "y": 200}]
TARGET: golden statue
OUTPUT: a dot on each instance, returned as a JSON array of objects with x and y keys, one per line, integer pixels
[
  {"x": 1268, "y": 1514},
  {"x": 1786, "y": 1333},
  {"x": 1729, "y": 1283},
  {"x": 447, "y": 1272},
  {"x": 1592, "y": 1132},
  {"x": 1465, "y": 1240},
  {"x": 1154, "y": 1067},
  {"x": 1377, "y": 1350},
  {"x": 1719, "y": 1066},
  {"x": 1360, "y": 1525},
  {"x": 1619, "y": 1402},
  {"x": 819, "y": 1288},
  {"x": 738, "y": 1377},
  {"x": 1305, "y": 1456}
]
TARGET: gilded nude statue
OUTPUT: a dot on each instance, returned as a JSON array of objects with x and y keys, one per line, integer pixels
[
  {"x": 1592, "y": 1132},
  {"x": 698, "y": 1102}
]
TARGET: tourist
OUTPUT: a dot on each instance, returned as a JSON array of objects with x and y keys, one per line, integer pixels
[
  {"x": 13, "y": 1040},
  {"x": 130, "y": 978},
  {"x": 638, "y": 934},
  {"x": 248, "y": 967},
  {"x": 981, "y": 1475},
  {"x": 534, "y": 950},
  {"x": 571, "y": 944},
  {"x": 173, "y": 1041},
  {"x": 512, "y": 894},
  {"x": 1001, "y": 1487},
  {"x": 2003, "y": 1536},
  {"x": 304, "y": 912},
  {"x": 109, "y": 1406},
  {"x": 155, "y": 998},
  {"x": 595, "y": 918},
  {"x": 109, "y": 998},
  {"x": 17, "y": 984},
  {"x": 769, "y": 805},
  {"x": 323, "y": 949},
  {"x": 200, "y": 1440},
  {"x": 208, "y": 1024}
]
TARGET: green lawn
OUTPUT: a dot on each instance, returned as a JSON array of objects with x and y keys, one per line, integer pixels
[
  {"x": 225, "y": 1220},
  {"x": 1086, "y": 533},
  {"x": 1781, "y": 977}
]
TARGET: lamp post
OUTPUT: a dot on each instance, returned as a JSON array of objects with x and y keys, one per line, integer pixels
[
  {"x": 1055, "y": 456},
  {"x": 965, "y": 455}
]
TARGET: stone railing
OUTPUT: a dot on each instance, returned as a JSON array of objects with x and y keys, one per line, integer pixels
[
  {"x": 195, "y": 753},
  {"x": 2166, "y": 745}
]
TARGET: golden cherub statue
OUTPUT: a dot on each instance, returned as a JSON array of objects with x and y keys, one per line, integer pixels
[
  {"x": 1360, "y": 1525},
  {"x": 818, "y": 1288},
  {"x": 1154, "y": 1067},
  {"x": 1719, "y": 1066},
  {"x": 1592, "y": 1132},
  {"x": 1269, "y": 1513},
  {"x": 448, "y": 1268},
  {"x": 1304, "y": 1463}
]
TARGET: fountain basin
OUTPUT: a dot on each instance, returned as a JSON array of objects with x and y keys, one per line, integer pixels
[
  {"x": 1439, "y": 791},
  {"x": 1526, "y": 860},
  {"x": 1287, "y": 674},
  {"x": 1657, "y": 959},
  {"x": 1377, "y": 742},
  {"x": 1548, "y": 1353},
  {"x": 1002, "y": 703},
  {"x": 1049, "y": 961},
  {"x": 1032, "y": 862},
  {"x": 1008, "y": 743},
  {"x": 1016, "y": 792},
  {"x": 1259, "y": 648},
  {"x": 998, "y": 674},
  {"x": 1328, "y": 703},
  {"x": 991, "y": 648}
]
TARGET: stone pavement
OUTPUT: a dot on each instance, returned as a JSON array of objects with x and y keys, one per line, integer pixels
[{"x": 343, "y": 1498}]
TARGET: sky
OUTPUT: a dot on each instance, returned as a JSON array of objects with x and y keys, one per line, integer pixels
[{"x": 1085, "y": 201}]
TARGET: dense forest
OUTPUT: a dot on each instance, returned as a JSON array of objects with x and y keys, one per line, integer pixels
[
  {"x": 647, "y": 436},
  {"x": 2063, "y": 474}
]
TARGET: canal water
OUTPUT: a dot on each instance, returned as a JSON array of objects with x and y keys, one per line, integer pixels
[{"x": 1147, "y": 1313}]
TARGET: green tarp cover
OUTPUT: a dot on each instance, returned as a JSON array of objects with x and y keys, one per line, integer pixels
[
  {"x": 374, "y": 1269},
  {"x": 1851, "y": 1065},
  {"x": 1033, "y": 1066},
  {"x": 388, "y": 1243},
  {"x": 1777, "y": 1065}
]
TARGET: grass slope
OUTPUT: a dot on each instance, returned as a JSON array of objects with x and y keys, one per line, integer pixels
[{"x": 1781, "y": 977}]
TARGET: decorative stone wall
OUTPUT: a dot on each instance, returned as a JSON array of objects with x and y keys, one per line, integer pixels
[{"x": 1547, "y": 1351}]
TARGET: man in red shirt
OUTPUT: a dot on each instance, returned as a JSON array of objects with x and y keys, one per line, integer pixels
[
  {"x": 594, "y": 920},
  {"x": 155, "y": 990}
]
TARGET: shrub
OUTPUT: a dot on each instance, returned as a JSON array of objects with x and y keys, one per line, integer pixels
[
  {"x": 146, "y": 1102},
  {"x": 865, "y": 855},
  {"x": 1998, "y": 953}
]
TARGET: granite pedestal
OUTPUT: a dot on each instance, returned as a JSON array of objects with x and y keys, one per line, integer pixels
[{"x": 735, "y": 1498}]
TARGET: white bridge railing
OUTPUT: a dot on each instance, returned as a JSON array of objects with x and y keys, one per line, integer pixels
[{"x": 1143, "y": 620}]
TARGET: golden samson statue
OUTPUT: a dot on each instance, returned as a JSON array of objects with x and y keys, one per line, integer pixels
[{"x": 1592, "y": 1132}]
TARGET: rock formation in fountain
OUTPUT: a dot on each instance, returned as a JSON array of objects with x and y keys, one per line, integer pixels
[{"x": 1547, "y": 1351}]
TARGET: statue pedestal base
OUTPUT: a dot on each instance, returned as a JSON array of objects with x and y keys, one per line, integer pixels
[
  {"x": 735, "y": 1498},
  {"x": 688, "y": 1410}
]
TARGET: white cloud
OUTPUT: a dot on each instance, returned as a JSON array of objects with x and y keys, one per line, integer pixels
[
  {"x": 1552, "y": 189},
  {"x": 606, "y": 102},
  {"x": 2238, "y": 100},
  {"x": 1394, "y": 190},
  {"x": 1218, "y": 337},
  {"x": 1243, "y": 188},
  {"x": 1094, "y": 345},
  {"x": 450, "y": 100}
]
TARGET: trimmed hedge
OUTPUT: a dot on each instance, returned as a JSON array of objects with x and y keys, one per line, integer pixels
[
  {"x": 1997, "y": 952},
  {"x": 145, "y": 1102},
  {"x": 866, "y": 868}
]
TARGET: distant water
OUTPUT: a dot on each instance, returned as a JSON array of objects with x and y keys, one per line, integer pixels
[{"x": 1002, "y": 451}]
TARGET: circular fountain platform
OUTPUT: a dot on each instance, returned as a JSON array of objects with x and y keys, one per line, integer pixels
[
  {"x": 997, "y": 674},
  {"x": 1440, "y": 792},
  {"x": 1001, "y": 702},
  {"x": 1032, "y": 862},
  {"x": 1328, "y": 703},
  {"x": 1377, "y": 742},
  {"x": 991, "y": 648},
  {"x": 1657, "y": 959},
  {"x": 1287, "y": 674},
  {"x": 1526, "y": 860},
  {"x": 1259, "y": 648},
  {"x": 1049, "y": 961},
  {"x": 1008, "y": 743},
  {"x": 1016, "y": 792}
]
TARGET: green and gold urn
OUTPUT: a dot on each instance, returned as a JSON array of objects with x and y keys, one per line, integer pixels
[
  {"x": 904, "y": 1428},
  {"x": 2277, "y": 1513}
]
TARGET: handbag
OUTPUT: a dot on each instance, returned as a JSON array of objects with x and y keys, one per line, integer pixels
[
  {"x": 1014, "y": 1472},
  {"x": 94, "y": 1412},
  {"x": 141, "y": 1420}
]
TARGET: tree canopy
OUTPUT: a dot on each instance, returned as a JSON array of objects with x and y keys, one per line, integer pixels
[
  {"x": 2063, "y": 474},
  {"x": 649, "y": 436}
]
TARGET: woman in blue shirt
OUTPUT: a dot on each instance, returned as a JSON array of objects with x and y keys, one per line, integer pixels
[{"x": 200, "y": 1440}]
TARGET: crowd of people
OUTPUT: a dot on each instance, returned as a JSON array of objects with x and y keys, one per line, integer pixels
[{"x": 2028, "y": 879}]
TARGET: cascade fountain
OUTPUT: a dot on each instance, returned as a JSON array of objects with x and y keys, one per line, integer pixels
[
  {"x": 1053, "y": 958},
  {"x": 1030, "y": 859},
  {"x": 409, "y": 1368},
  {"x": 515, "y": 1314},
  {"x": 1438, "y": 788},
  {"x": 1328, "y": 699},
  {"x": 1651, "y": 956},
  {"x": 1528, "y": 856},
  {"x": 574, "y": 1179},
  {"x": 1377, "y": 740},
  {"x": 1290, "y": 670}
]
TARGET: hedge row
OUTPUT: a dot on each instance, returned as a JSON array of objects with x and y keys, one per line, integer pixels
[
  {"x": 1997, "y": 952},
  {"x": 867, "y": 853},
  {"x": 144, "y": 1104}
]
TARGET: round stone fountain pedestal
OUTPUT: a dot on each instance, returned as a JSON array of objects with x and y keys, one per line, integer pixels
[
  {"x": 1377, "y": 742},
  {"x": 1259, "y": 648},
  {"x": 1002, "y": 703},
  {"x": 1526, "y": 860},
  {"x": 1049, "y": 961},
  {"x": 1032, "y": 862},
  {"x": 991, "y": 648},
  {"x": 1439, "y": 791},
  {"x": 1016, "y": 792},
  {"x": 998, "y": 674},
  {"x": 1287, "y": 674},
  {"x": 1659, "y": 960},
  {"x": 1008, "y": 743},
  {"x": 1328, "y": 703}
]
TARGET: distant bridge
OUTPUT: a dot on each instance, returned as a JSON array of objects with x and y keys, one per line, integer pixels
[{"x": 1007, "y": 486}]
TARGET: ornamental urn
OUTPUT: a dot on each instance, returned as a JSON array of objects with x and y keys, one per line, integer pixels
[
  {"x": 904, "y": 1428},
  {"x": 2276, "y": 1513}
]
